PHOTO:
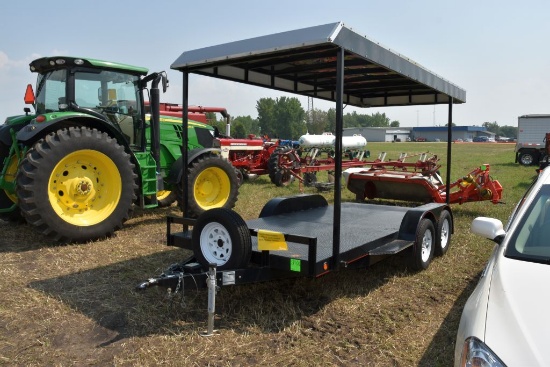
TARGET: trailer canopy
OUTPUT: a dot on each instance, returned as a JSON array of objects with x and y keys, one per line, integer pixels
[
  {"x": 304, "y": 62},
  {"x": 330, "y": 62}
]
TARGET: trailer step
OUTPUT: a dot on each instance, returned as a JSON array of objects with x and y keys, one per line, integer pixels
[{"x": 391, "y": 248}]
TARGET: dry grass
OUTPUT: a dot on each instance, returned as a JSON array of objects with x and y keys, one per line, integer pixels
[{"x": 65, "y": 305}]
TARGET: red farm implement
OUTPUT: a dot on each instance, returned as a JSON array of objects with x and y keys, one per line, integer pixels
[{"x": 420, "y": 182}]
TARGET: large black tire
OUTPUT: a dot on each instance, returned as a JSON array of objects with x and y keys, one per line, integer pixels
[
  {"x": 278, "y": 175},
  {"x": 76, "y": 185},
  {"x": 212, "y": 182},
  {"x": 8, "y": 199},
  {"x": 424, "y": 244},
  {"x": 166, "y": 198},
  {"x": 528, "y": 158},
  {"x": 444, "y": 232},
  {"x": 221, "y": 237}
]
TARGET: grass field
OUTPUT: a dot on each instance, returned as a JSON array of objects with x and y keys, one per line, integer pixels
[{"x": 75, "y": 305}]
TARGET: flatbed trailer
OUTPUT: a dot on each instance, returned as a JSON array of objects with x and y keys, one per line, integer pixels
[
  {"x": 306, "y": 222},
  {"x": 303, "y": 236}
]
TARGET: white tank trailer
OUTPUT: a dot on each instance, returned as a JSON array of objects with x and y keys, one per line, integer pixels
[{"x": 327, "y": 140}]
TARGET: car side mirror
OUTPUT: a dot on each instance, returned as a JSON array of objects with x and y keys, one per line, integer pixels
[{"x": 490, "y": 228}]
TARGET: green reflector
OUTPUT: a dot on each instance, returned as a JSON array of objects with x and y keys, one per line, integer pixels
[{"x": 295, "y": 265}]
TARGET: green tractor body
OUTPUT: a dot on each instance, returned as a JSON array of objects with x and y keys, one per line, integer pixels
[{"x": 94, "y": 149}]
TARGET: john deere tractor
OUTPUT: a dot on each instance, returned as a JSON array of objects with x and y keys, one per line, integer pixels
[{"x": 94, "y": 149}]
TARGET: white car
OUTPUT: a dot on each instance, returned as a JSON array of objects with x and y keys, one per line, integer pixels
[{"x": 506, "y": 320}]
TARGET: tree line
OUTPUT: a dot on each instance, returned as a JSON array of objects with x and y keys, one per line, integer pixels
[{"x": 285, "y": 118}]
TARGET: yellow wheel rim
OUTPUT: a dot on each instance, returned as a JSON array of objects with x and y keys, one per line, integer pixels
[
  {"x": 163, "y": 194},
  {"x": 211, "y": 188},
  {"x": 11, "y": 171},
  {"x": 85, "y": 187}
]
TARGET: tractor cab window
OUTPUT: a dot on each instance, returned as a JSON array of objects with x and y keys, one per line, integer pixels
[
  {"x": 114, "y": 95},
  {"x": 51, "y": 92}
]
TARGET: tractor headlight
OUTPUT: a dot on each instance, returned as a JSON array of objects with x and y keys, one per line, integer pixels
[{"x": 476, "y": 353}]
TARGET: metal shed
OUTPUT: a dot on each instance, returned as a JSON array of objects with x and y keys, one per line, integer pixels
[{"x": 331, "y": 62}]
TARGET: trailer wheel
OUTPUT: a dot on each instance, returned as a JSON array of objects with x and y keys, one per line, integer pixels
[
  {"x": 212, "y": 182},
  {"x": 444, "y": 231},
  {"x": 278, "y": 175},
  {"x": 8, "y": 198},
  {"x": 424, "y": 245},
  {"x": 76, "y": 184},
  {"x": 221, "y": 237},
  {"x": 527, "y": 158}
]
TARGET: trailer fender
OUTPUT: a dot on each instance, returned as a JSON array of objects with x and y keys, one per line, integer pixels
[
  {"x": 411, "y": 220},
  {"x": 292, "y": 204}
]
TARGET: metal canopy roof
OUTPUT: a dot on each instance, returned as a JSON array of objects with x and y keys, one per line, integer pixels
[{"x": 304, "y": 62}]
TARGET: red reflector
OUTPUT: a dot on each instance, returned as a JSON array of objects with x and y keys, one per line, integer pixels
[{"x": 41, "y": 118}]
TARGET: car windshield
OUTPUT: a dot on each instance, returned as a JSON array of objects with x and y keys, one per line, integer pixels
[{"x": 530, "y": 240}]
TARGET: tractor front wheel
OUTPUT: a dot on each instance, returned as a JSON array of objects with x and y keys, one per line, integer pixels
[
  {"x": 76, "y": 185},
  {"x": 212, "y": 182}
]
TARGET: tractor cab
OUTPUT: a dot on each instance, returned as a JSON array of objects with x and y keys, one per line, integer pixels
[{"x": 102, "y": 90}]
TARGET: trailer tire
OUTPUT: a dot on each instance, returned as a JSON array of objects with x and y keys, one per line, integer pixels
[
  {"x": 528, "y": 158},
  {"x": 221, "y": 237},
  {"x": 444, "y": 231},
  {"x": 279, "y": 176},
  {"x": 8, "y": 199},
  {"x": 77, "y": 184},
  {"x": 212, "y": 182},
  {"x": 423, "y": 248}
]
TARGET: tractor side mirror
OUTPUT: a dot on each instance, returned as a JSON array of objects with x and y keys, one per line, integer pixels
[{"x": 164, "y": 82}]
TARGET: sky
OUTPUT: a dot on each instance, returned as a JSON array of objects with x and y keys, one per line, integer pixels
[{"x": 498, "y": 51}]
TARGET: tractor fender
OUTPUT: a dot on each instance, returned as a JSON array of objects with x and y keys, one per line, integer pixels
[
  {"x": 176, "y": 171},
  {"x": 29, "y": 134},
  {"x": 409, "y": 224},
  {"x": 5, "y": 133}
]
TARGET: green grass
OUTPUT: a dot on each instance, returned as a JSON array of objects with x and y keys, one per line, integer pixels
[{"x": 75, "y": 304}]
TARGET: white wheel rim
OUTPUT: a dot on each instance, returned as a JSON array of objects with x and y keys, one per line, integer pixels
[
  {"x": 215, "y": 244},
  {"x": 426, "y": 245},
  {"x": 445, "y": 229}
]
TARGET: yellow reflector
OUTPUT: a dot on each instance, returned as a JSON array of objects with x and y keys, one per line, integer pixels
[{"x": 271, "y": 241}]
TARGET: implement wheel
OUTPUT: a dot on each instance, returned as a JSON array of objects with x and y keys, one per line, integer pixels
[
  {"x": 221, "y": 237},
  {"x": 7, "y": 198},
  {"x": 76, "y": 184},
  {"x": 212, "y": 182},
  {"x": 166, "y": 198},
  {"x": 423, "y": 248}
]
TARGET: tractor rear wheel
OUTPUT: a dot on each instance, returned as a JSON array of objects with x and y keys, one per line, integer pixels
[
  {"x": 7, "y": 198},
  {"x": 76, "y": 185},
  {"x": 278, "y": 174},
  {"x": 212, "y": 182}
]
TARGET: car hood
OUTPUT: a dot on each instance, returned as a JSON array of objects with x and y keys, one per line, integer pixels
[{"x": 518, "y": 313}]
